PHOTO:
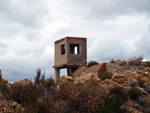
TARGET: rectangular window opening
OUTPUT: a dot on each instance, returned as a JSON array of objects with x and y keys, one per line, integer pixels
[
  {"x": 63, "y": 49},
  {"x": 74, "y": 49}
]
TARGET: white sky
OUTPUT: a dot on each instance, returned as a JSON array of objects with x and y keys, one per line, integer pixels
[{"x": 118, "y": 29}]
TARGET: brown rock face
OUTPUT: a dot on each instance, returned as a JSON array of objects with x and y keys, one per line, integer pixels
[{"x": 9, "y": 106}]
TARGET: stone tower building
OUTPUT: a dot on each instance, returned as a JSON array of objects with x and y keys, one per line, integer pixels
[{"x": 70, "y": 53}]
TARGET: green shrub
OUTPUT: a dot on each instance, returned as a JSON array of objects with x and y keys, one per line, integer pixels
[
  {"x": 113, "y": 104},
  {"x": 134, "y": 93},
  {"x": 27, "y": 94},
  {"x": 141, "y": 82},
  {"x": 147, "y": 104},
  {"x": 112, "y": 61},
  {"x": 113, "y": 101},
  {"x": 92, "y": 63},
  {"x": 106, "y": 75},
  {"x": 119, "y": 92}
]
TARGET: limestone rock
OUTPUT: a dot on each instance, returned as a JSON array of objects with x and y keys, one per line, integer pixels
[
  {"x": 86, "y": 76},
  {"x": 121, "y": 63},
  {"x": 79, "y": 71},
  {"x": 66, "y": 78},
  {"x": 94, "y": 68},
  {"x": 14, "y": 104},
  {"x": 119, "y": 78}
]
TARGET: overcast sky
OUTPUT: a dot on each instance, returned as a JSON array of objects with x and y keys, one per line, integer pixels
[{"x": 118, "y": 29}]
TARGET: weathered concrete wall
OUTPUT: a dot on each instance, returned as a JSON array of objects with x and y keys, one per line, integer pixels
[
  {"x": 80, "y": 58},
  {"x": 60, "y": 59}
]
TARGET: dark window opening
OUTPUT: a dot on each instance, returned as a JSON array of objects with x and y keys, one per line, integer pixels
[
  {"x": 74, "y": 49},
  {"x": 63, "y": 49}
]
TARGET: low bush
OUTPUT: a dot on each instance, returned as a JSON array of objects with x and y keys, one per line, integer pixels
[
  {"x": 119, "y": 92},
  {"x": 113, "y": 105},
  {"x": 141, "y": 82},
  {"x": 81, "y": 97},
  {"x": 147, "y": 104},
  {"x": 27, "y": 94},
  {"x": 133, "y": 84},
  {"x": 134, "y": 93},
  {"x": 147, "y": 89},
  {"x": 92, "y": 63},
  {"x": 48, "y": 104},
  {"x": 106, "y": 75},
  {"x": 114, "y": 100},
  {"x": 135, "y": 61}
]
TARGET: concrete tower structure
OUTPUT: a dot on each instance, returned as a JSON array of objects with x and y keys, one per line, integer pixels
[{"x": 70, "y": 53}]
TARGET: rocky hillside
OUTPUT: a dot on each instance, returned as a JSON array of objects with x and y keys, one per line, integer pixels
[
  {"x": 124, "y": 76},
  {"x": 118, "y": 87}
]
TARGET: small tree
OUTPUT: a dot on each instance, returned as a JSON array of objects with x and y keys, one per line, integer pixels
[
  {"x": 39, "y": 77},
  {"x": 112, "y": 61}
]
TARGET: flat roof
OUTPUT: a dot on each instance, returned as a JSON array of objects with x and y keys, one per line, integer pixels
[{"x": 69, "y": 38}]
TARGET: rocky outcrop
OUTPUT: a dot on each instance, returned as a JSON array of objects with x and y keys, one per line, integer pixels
[
  {"x": 9, "y": 106},
  {"x": 66, "y": 78},
  {"x": 21, "y": 83},
  {"x": 119, "y": 78},
  {"x": 79, "y": 71},
  {"x": 96, "y": 70}
]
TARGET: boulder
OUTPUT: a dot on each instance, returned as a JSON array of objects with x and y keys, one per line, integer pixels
[
  {"x": 94, "y": 68},
  {"x": 119, "y": 78},
  {"x": 86, "y": 76},
  {"x": 14, "y": 104},
  {"x": 18, "y": 108},
  {"x": 121, "y": 63},
  {"x": 66, "y": 78},
  {"x": 79, "y": 71}
]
